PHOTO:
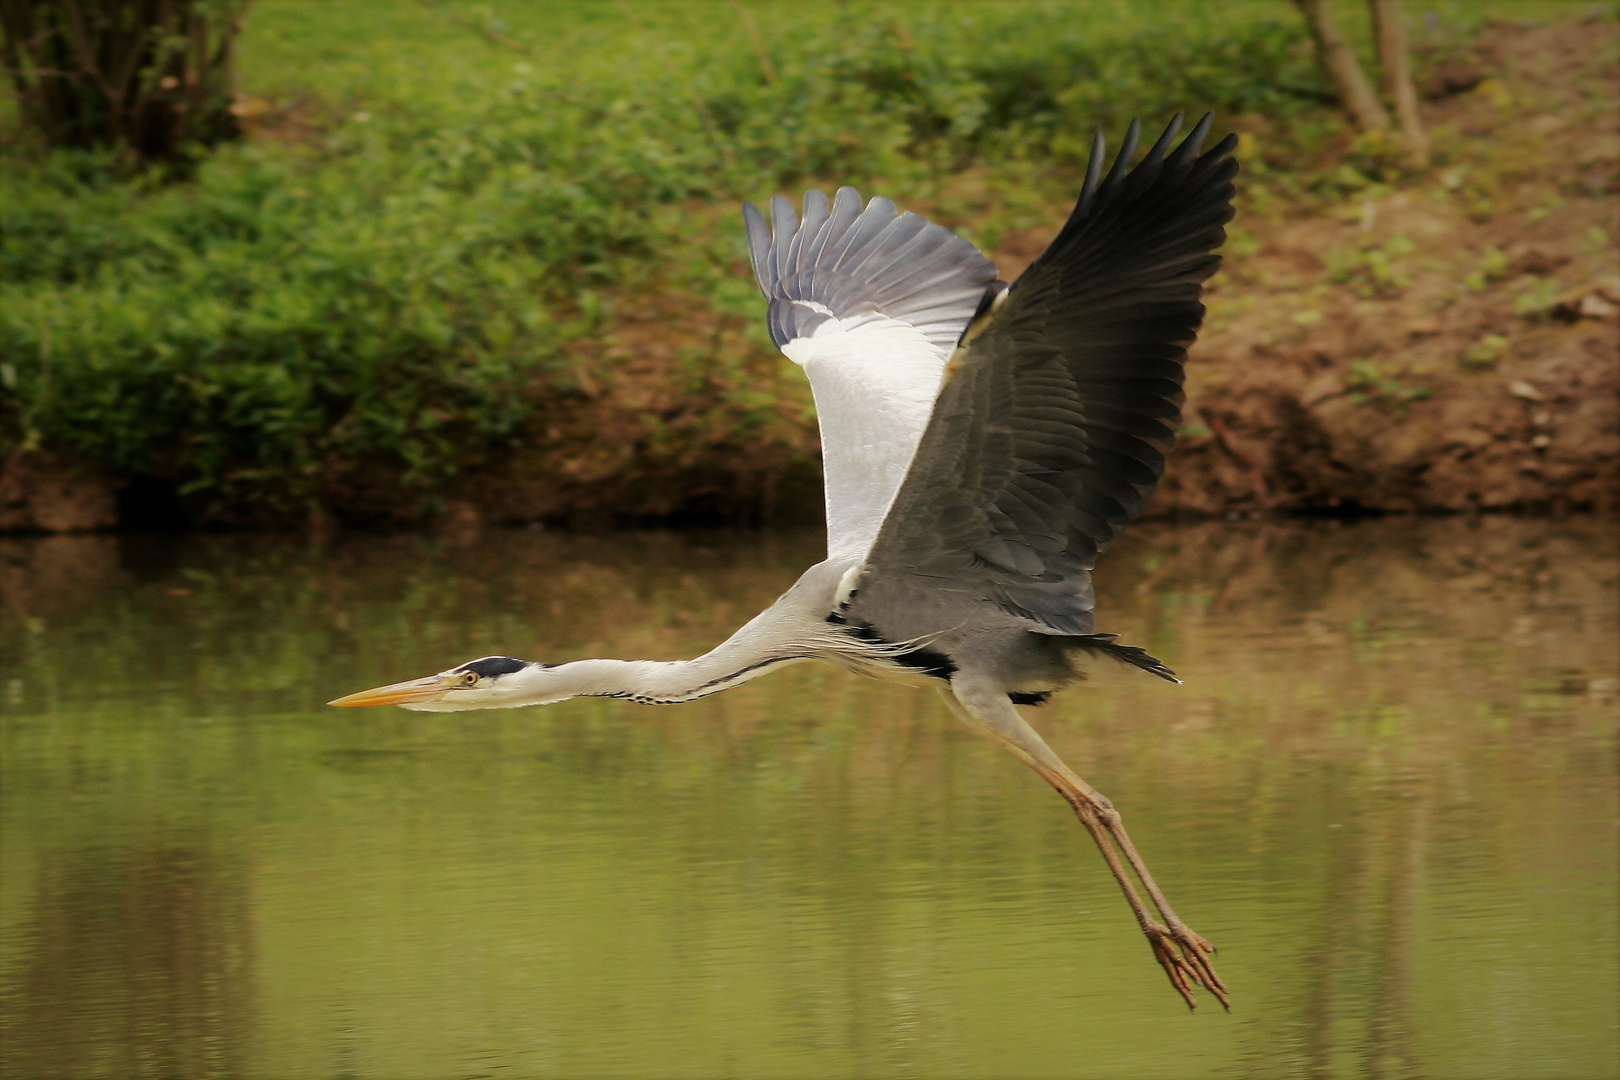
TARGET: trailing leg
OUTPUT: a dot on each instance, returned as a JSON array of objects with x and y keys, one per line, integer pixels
[{"x": 1181, "y": 951}]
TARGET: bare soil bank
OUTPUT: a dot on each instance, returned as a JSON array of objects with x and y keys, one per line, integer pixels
[
  {"x": 1449, "y": 342},
  {"x": 1447, "y": 346}
]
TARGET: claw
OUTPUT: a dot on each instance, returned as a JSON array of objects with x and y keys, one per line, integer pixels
[{"x": 1180, "y": 951}]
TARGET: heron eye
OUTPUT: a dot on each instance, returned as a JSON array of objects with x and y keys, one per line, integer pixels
[{"x": 470, "y": 677}]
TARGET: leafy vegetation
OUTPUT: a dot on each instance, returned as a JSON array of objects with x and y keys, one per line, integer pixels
[
  {"x": 1373, "y": 270},
  {"x": 397, "y": 272}
]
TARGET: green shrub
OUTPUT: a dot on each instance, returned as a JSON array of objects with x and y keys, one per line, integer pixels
[{"x": 400, "y": 286}]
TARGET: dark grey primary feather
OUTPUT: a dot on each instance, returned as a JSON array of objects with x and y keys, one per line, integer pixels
[
  {"x": 841, "y": 262},
  {"x": 1052, "y": 428}
]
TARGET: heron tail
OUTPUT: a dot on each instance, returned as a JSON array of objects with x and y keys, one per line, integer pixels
[{"x": 1107, "y": 644}]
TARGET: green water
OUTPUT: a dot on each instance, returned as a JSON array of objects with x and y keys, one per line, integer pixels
[{"x": 1387, "y": 791}]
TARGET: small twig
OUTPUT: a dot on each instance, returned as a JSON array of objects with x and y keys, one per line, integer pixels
[
  {"x": 746, "y": 17},
  {"x": 41, "y": 71},
  {"x": 494, "y": 37},
  {"x": 701, "y": 109},
  {"x": 505, "y": 42}
]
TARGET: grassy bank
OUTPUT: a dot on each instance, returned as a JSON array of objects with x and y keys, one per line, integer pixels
[{"x": 461, "y": 236}]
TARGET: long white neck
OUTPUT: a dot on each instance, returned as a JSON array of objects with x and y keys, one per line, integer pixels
[
  {"x": 794, "y": 628},
  {"x": 654, "y": 682}
]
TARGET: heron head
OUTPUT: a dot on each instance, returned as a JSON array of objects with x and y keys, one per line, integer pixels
[{"x": 491, "y": 682}]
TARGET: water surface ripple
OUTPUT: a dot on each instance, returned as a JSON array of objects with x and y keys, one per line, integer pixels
[{"x": 1387, "y": 791}]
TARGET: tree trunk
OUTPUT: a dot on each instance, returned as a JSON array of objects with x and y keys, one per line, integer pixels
[
  {"x": 1397, "y": 70},
  {"x": 154, "y": 76},
  {"x": 1340, "y": 60}
]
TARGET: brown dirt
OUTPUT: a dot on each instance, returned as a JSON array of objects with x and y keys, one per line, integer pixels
[
  {"x": 662, "y": 417},
  {"x": 1315, "y": 385},
  {"x": 1446, "y": 341},
  {"x": 40, "y": 494}
]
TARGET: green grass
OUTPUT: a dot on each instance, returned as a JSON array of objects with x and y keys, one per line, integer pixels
[{"x": 396, "y": 270}]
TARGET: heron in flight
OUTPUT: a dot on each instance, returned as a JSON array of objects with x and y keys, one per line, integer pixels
[{"x": 982, "y": 444}]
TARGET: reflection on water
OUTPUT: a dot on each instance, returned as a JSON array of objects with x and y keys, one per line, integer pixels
[
  {"x": 137, "y": 964},
  {"x": 1387, "y": 791}
]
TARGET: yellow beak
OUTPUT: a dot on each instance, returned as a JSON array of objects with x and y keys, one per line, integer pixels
[{"x": 431, "y": 688}]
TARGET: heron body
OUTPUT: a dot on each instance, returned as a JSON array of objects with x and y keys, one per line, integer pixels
[{"x": 982, "y": 444}]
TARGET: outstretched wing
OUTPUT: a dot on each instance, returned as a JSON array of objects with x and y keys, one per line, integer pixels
[
  {"x": 1060, "y": 404},
  {"x": 869, "y": 302}
]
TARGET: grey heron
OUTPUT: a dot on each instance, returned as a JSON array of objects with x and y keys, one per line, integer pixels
[{"x": 983, "y": 443}]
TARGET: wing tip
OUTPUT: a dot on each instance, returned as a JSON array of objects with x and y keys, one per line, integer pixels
[
  {"x": 758, "y": 234},
  {"x": 1211, "y": 172}
]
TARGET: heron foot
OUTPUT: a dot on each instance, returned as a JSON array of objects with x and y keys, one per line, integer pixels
[{"x": 1184, "y": 954}]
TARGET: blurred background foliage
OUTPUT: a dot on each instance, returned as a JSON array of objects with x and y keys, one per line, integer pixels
[
  {"x": 152, "y": 76},
  {"x": 438, "y": 201}
]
